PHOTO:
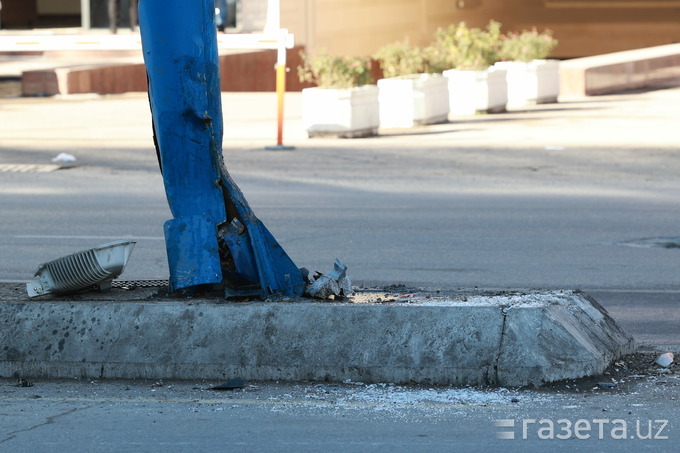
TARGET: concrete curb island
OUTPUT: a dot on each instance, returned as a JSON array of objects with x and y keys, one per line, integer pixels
[{"x": 458, "y": 337}]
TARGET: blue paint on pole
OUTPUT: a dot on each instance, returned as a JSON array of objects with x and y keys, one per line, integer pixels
[{"x": 214, "y": 237}]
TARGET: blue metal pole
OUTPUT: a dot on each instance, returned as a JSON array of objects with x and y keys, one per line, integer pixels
[{"x": 214, "y": 237}]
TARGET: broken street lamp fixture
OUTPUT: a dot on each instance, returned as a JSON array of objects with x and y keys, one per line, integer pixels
[{"x": 94, "y": 268}]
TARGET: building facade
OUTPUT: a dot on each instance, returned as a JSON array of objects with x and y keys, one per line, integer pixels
[
  {"x": 359, "y": 27},
  {"x": 583, "y": 27}
]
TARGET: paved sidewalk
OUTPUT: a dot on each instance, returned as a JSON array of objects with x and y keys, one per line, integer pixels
[
  {"x": 13, "y": 65},
  {"x": 630, "y": 120}
]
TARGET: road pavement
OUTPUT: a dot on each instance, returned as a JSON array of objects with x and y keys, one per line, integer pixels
[
  {"x": 581, "y": 194},
  {"x": 572, "y": 195}
]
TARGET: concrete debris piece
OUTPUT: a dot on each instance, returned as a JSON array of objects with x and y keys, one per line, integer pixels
[
  {"x": 339, "y": 271},
  {"x": 345, "y": 286},
  {"x": 665, "y": 359},
  {"x": 323, "y": 288},
  {"x": 331, "y": 285}
]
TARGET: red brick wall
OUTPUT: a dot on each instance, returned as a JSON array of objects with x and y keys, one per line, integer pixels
[
  {"x": 250, "y": 71},
  {"x": 256, "y": 71}
]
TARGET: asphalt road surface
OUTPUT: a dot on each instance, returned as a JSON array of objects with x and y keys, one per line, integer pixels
[
  {"x": 571, "y": 195},
  {"x": 580, "y": 194}
]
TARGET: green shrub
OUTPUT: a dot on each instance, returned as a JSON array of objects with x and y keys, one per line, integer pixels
[
  {"x": 332, "y": 71},
  {"x": 527, "y": 45},
  {"x": 460, "y": 47},
  {"x": 401, "y": 59}
]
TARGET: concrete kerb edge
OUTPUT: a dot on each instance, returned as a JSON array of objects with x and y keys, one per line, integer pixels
[
  {"x": 483, "y": 340},
  {"x": 568, "y": 338}
]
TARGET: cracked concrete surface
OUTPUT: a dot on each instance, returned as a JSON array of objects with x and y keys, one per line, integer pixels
[{"x": 455, "y": 337}]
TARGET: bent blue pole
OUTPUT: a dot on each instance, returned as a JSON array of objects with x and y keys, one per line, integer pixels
[{"x": 214, "y": 238}]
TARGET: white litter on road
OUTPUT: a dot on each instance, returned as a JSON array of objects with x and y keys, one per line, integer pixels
[
  {"x": 64, "y": 158},
  {"x": 401, "y": 402},
  {"x": 385, "y": 397}
]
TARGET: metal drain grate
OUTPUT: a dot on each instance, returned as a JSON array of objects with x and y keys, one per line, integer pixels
[
  {"x": 29, "y": 168},
  {"x": 140, "y": 283}
]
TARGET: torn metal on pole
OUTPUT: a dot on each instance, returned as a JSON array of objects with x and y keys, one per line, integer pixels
[{"x": 214, "y": 238}]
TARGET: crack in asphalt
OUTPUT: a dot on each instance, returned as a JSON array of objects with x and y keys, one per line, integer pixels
[{"x": 11, "y": 435}]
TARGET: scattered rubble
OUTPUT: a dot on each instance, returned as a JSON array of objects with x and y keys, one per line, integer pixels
[
  {"x": 329, "y": 286},
  {"x": 622, "y": 376},
  {"x": 664, "y": 359},
  {"x": 24, "y": 383}
]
